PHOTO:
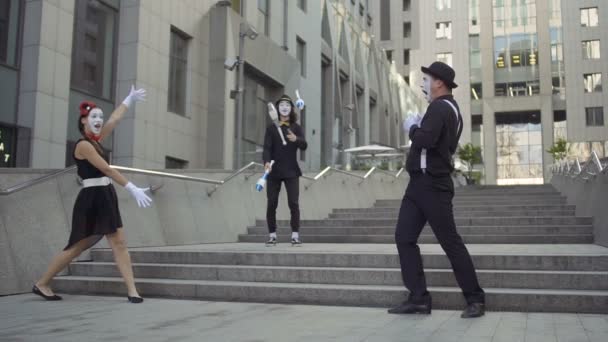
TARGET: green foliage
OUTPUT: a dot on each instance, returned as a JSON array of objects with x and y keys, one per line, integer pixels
[
  {"x": 559, "y": 150},
  {"x": 470, "y": 155}
]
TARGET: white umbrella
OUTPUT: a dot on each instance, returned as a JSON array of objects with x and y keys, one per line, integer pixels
[
  {"x": 370, "y": 149},
  {"x": 381, "y": 155}
]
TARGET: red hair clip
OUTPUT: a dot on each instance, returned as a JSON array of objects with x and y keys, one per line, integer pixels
[{"x": 85, "y": 108}]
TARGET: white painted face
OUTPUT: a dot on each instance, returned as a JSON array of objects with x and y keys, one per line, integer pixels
[
  {"x": 426, "y": 87},
  {"x": 95, "y": 120},
  {"x": 284, "y": 108}
]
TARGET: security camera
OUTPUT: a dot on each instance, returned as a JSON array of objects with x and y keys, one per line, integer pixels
[
  {"x": 252, "y": 33},
  {"x": 230, "y": 63},
  {"x": 247, "y": 30}
]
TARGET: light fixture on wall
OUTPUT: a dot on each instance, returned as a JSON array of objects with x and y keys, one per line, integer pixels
[
  {"x": 245, "y": 30},
  {"x": 224, "y": 3}
]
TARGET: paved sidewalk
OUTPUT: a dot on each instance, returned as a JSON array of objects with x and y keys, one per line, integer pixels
[{"x": 89, "y": 318}]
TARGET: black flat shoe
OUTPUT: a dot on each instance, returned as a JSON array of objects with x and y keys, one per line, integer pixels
[
  {"x": 474, "y": 310},
  {"x": 36, "y": 290},
  {"x": 409, "y": 308},
  {"x": 135, "y": 300}
]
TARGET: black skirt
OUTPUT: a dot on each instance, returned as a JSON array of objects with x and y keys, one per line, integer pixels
[{"x": 95, "y": 214}]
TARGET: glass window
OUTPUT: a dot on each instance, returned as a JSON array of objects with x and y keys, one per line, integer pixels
[
  {"x": 9, "y": 31},
  {"x": 589, "y": 17},
  {"x": 593, "y": 82},
  {"x": 476, "y": 93},
  {"x": 443, "y": 30},
  {"x": 94, "y": 48},
  {"x": 389, "y": 55},
  {"x": 178, "y": 64},
  {"x": 7, "y": 146},
  {"x": 263, "y": 16},
  {"x": 407, "y": 30},
  {"x": 385, "y": 23},
  {"x": 594, "y": 116},
  {"x": 302, "y": 5},
  {"x": 301, "y": 55},
  {"x": 406, "y": 57},
  {"x": 591, "y": 49},
  {"x": 407, "y": 5},
  {"x": 441, "y": 5},
  {"x": 519, "y": 147},
  {"x": 175, "y": 163},
  {"x": 445, "y": 58}
]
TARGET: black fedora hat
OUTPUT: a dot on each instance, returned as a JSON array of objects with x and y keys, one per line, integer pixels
[{"x": 443, "y": 72}]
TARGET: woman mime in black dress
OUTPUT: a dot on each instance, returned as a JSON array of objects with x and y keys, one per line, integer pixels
[{"x": 96, "y": 211}]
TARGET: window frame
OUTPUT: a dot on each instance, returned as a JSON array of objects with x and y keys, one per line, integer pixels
[
  {"x": 301, "y": 44},
  {"x": 589, "y": 48},
  {"x": 76, "y": 86},
  {"x": 172, "y": 107},
  {"x": 594, "y": 85},
  {"x": 596, "y": 112},
  {"x": 588, "y": 16},
  {"x": 18, "y": 38},
  {"x": 407, "y": 24},
  {"x": 443, "y": 27}
]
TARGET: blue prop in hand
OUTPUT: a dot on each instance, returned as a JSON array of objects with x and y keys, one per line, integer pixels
[{"x": 261, "y": 184}]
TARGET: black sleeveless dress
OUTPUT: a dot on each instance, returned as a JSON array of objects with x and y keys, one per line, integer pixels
[{"x": 96, "y": 209}]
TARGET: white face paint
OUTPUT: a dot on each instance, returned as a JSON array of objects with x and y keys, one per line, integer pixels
[
  {"x": 426, "y": 87},
  {"x": 284, "y": 108},
  {"x": 96, "y": 120}
]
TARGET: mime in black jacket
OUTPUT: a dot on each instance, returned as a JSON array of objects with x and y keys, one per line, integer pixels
[{"x": 285, "y": 169}]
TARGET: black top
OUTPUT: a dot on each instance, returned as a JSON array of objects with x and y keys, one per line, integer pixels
[
  {"x": 438, "y": 133},
  {"x": 86, "y": 170},
  {"x": 285, "y": 157}
]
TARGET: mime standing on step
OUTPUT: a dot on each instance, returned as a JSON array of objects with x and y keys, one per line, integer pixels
[
  {"x": 429, "y": 195},
  {"x": 281, "y": 145}
]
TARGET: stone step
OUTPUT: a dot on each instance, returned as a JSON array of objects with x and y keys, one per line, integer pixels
[
  {"x": 576, "y": 280},
  {"x": 480, "y": 188},
  {"x": 510, "y": 192},
  {"x": 506, "y": 196},
  {"x": 465, "y": 202},
  {"x": 482, "y": 208},
  {"x": 428, "y": 238},
  {"x": 512, "y": 257},
  {"x": 540, "y": 300},
  {"x": 460, "y": 221},
  {"x": 461, "y": 213},
  {"x": 466, "y": 230}
]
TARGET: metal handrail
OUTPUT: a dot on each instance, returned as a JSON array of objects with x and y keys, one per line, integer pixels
[
  {"x": 585, "y": 171},
  {"x": 32, "y": 182},
  {"x": 217, "y": 183}
]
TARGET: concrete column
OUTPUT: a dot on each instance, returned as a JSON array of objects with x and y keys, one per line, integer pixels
[
  {"x": 486, "y": 41},
  {"x": 45, "y": 79},
  {"x": 125, "y": 138},
  {"x": 543, "y": 14},
  {"x": 489, "y": 143}
]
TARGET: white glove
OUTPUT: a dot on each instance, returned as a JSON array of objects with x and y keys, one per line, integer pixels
[
  {"x": 143, "y": 201},
  {"x": 411, "y": 121},
  {"x": 135, "y": 95},
  {"x": 299, "y": 101}
]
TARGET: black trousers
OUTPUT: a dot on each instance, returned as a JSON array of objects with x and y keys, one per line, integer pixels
[
  {"x": 429, "y": 198},
  {"x": 273, "y": 187}
]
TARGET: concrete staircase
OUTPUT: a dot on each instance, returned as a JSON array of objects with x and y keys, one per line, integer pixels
[
  {"x": 512, "y": 233},
  {"x": 483, "y": 215}
]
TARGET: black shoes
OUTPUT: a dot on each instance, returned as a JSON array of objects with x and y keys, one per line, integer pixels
[
  {"x": 135, "y": 300},
  {"x": 411, "y": 308},
  {"x": 271, "y": 242},
  {"x": 474, "y": 310},
  {"x": 36, "y": 290},
  {"x": 296, "y": 242}
]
